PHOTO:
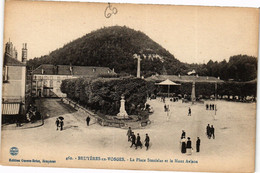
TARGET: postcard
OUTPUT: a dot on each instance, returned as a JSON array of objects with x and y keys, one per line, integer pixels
[{"x": 129, "y": 86}]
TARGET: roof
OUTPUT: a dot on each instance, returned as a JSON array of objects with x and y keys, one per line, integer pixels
[
  {"x": 167, "y": 82},
  {"x": 49, "y": 69},
  {"x": 184, "y": 78},
  {"x": 9, "y": 61}
]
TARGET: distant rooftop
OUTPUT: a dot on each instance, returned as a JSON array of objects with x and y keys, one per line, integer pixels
[
  {"x": 9, "y": 61},
  {"x": 49, "y": 69},
  {"x": 183, "y": 78}
]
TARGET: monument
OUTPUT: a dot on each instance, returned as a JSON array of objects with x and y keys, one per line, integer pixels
[
  {"x": 122, "y": 112},
  {"x": 193, "y": 97}
]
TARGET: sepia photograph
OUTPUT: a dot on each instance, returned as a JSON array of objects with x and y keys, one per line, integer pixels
[{"x": 127, "y": 86}]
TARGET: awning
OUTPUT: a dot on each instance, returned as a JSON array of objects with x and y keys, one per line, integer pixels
[
  {"x": 10, "y": 108},
  {"x": 167, "y": 82}
]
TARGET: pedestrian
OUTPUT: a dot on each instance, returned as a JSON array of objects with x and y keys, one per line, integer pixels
[
  {"x": 207, "y": 106},
  {"x": 147, "y": 140},
  {"x": 57, "y": 123},
  {"x": 198, "y": 145},
  {"x": 129, "y": 133},
  {"x": 189, "y": 113},
  {"x": 133, "y": 139},
  {"x": 210, "y": 106},
  {"x": 88, "y": 120},
  {"x": 165, "y": 108},
  {"x": 208, "y": 131},
  {"x": 183, "y": 134},
  {"x": 189, "y": 147},
  {"x": 213, "y": 106},
  {"x": 168, "y": 112},
  {"x": 61, "y": 125},
  {"x": 212, "y": 132},
  {"x": 183, "y": 145},
  {"x": 138, "y": 142}
]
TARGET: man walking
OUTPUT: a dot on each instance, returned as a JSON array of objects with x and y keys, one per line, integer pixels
[
  {"x": 57, "y": 123},
  {"x": 183, "y": 135},
  {"x": 129, "y": 133},
  {"x": 198, "y": 145},
  {"x": 189, "y": 113},
  {"x": 133, "y": 138},
  {"x": 147, "y": 140},
  {"x": 212, "y": 132},
  {"x": 208, "y": 131},
  {"x": 88, "y": 120}
]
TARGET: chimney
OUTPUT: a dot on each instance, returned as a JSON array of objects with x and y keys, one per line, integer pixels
[
  {"x": 15, "y": 53},
  {"x": 24, "y": 53}
]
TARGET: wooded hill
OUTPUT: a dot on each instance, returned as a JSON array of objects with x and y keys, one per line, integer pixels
[{"x": 115, "y": 46}]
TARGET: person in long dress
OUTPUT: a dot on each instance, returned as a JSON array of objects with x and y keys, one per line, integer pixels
[
  {"x": 189, "y": 147},
  {"x": 198, "y": 145},
  {"x": 147, "y": 140},
  {"x": 183, "y": 145},
  {"x": 138, "y": 142}
]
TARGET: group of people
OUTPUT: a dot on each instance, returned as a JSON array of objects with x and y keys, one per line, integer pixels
[
  {"x": 210, "y": 106},
  {"x": 186, "y": 145},
  {"x": 163, "y": 99},
  {"x": 136, "y": 141},
  {"x": 210, "y": 131},
  {"x": 59, "y": 123}
]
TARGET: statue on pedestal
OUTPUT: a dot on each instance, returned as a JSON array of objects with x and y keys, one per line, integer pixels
[{"x": 122, "y": 112}]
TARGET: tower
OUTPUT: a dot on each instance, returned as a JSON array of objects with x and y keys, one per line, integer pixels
[{"x": 24, "y": 53}]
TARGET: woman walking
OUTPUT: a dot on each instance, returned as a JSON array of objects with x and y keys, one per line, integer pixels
[
  {"x": 189, "y": 147},
  {"x": 183, "y": 145}
]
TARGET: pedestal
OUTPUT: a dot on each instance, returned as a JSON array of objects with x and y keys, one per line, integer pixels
[{"x": 122, "y": 112}]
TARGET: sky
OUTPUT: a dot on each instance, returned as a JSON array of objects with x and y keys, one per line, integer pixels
[{"x": 192, "y": 34}]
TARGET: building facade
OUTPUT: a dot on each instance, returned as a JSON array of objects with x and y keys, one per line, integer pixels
[
  {"x": 14, "y": 81},
  {"x": 47, "y": 78}
]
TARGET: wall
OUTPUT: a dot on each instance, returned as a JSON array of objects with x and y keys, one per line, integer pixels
[{"x": 14, "y": 87}]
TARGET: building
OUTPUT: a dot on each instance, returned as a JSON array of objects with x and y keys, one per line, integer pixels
[
  {"x": 14, "y": 82},
  {"x": 47, "y": 78}
]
